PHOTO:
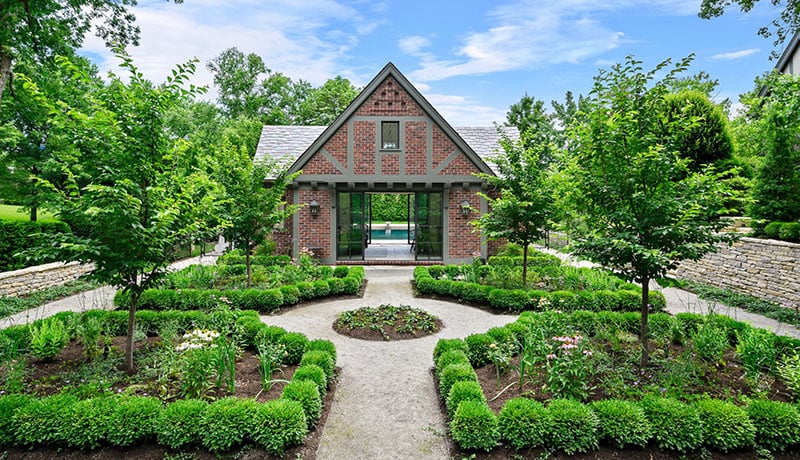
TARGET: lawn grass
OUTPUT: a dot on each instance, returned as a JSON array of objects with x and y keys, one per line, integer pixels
[{"x": 11, "y": 212}]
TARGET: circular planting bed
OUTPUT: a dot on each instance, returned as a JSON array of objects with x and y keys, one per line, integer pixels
[{"x": 387, "y": 322}]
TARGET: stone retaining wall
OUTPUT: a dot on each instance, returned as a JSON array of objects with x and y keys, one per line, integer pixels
[
  {"x": 27, "y": 280},
  {"x": 768, "y": 269}
]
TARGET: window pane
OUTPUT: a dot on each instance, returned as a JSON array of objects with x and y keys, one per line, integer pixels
[{"x": 390, "y": 135}]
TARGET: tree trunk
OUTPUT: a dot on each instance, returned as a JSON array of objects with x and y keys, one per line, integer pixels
[
  {"x": 525, "y": 264},
  {"x": 129, "y": 367},
  {"x": 247, "y": 262},
  {"x": 33, "y": 214},
  {"x": 645, "y": 310},
  {"x": 5, "y": 68}
]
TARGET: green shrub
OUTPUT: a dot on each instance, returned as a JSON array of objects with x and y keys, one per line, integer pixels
[
  {"x": 474, "y": 426},
  {"x": 675, "y": 426},
  {"x": 336, "y": 286},
  {"x": 321, "y": 288},
  {"x": 295, "y": 343},
  {"x": 436, "y": 271},
  {"x": 502, "y": 335},
  {"x": 574, "y": 426},
  {"x": 322, "y": 359},
  {"x": 524, "y": 423},
  {"x": 725, "y": 425},
  {"x": 322, "y": 345},
  {"x": 313, "y": 373},
  {"x": 43, "y": 421},
  {"x": 307, "y": 394},
  {"x": 789, "y": 231},
  {"x": 756, "y": 349},
  {"x": 250, "y": 327},
  {"x": 9, "y": 405},
  {"x": 306, "y": 290},
  {"x": 133, "y": 420},
  {"x": 777, "y": 424},
  {"x": 454, "y": 356},
  {"x": 514, "y": 300},
  {"x": 48, "y": 338},
  {"x": 455, "y": 373},
  {"x": 445, "y": 345},
  {"x": 226, "y": 423},
  {"x": 89, "y": 422},
  {"x": 290, "y": 293},
  {"x": 772, "y": 229},
  {"x": 463, "y": 391},
  {"x": 177, "y": 425},
  {"x": 270, "y": 334},
  {"x": 478, "y": 349},
  {"x": 710, "y": 342},
  {"x": 622, "y": 423},
  {"x": 279, "y": 424},
  {"x": 22, "y": 235},
  {"x": 340, "y": 271}
]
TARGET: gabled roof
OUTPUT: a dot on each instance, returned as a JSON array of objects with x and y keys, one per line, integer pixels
[
  {"x": 785, "y": 59},
  {"x": 285, "y": 144},
  {"x": 416, "y": 96}
]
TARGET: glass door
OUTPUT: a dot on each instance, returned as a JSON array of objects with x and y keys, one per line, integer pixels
[
  {"x": 351, "y": 225},
  {"x": 428, "y": 226}
]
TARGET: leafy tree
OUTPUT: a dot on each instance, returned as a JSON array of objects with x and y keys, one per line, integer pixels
[
  {"x": 645, "y": 210},
  {"x": 522, "y": 211},
  {"x": 785, "y": 25},
  {"x": 702, "y": 134},
  {"x": 530, "y": 114},
  {"x": 236, "y": 77},
  {"x": 145, "y": 200},
  {"x": 776, "y": 191},
  {"x": 255, "y": 207},
  {"x": 48, "y": 27},
  {"x": 324, "y": 104},
  {"x": 33, "y": 154}
]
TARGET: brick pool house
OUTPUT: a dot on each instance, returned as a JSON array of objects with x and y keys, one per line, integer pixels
[{"x": 390, "y": 139}]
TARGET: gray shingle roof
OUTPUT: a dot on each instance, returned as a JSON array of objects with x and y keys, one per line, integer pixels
[{"x": 285, "y": 144}]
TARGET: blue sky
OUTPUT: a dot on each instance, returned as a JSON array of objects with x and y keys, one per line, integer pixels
[{"x": 471, "y": 59}]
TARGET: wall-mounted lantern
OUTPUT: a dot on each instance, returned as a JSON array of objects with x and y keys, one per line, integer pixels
[
  {"x": 313, "y": 207},
  {"x": 465, "y": 209}
]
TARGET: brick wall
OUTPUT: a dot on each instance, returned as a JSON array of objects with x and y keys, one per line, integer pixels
[
  {"x": 464, "y": 240},
  {"x": 389, "y": 99},
  {"x": 283, "y": 236},
  {"x": 315, "y": 232},
  {"x": 762, "y": 268}
]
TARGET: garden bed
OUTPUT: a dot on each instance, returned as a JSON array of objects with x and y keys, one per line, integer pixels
[
  {"x": 572, "y": 383},
  {"x": 387, "y": 323},
  {"x": 216, "y": 383}
]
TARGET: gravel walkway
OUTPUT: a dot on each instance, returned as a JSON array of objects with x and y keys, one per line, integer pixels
[{"x": 386, "y": 404}]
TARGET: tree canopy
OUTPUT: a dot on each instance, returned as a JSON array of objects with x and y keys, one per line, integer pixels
[
  {"x": 785, "y": 25},
  {"x": 644, "y": 209}
]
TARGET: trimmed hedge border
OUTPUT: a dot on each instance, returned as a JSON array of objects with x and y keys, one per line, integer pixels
[
  {"x": 231, "y": 258},
  {"x": 517, "y": 300},
  {"x": 121, "y": 420},
  {"x": 263, "y": 300},
  {"x": 19, "y": 236},
  {"x": 672, "y": 425}
]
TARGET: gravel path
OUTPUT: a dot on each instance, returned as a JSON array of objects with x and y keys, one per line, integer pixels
[{"x": 386, "y": 404}]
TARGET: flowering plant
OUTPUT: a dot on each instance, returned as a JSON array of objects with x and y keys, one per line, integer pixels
[
  {"x": 197, "y": 338},
  {"x": 570, "y": 367}
]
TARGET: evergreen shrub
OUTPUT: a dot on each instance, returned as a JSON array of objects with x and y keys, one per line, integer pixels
[
  {"x": 777, "y": 423},
  {"x": 308, "y": 395},
  {"x": 574, "y": 426},
  {"x": 622, "y": 423},
  {"x": 177, "y": 425},
  {"x": 676, "y": 426},
  {"x": 726, "y": 426},
  {"x": 524, "y": 423},
  {"x": 474, "y": 426}
]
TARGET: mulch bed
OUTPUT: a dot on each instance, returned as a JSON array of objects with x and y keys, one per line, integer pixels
[{"x": 248, "y": 385}]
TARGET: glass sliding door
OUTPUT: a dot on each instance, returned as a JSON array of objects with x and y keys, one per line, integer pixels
[
  {"x": 351, "y": 225},
  {"x": 428, "y": 226}
]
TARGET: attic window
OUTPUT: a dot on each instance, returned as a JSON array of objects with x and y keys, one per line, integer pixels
[{"x": 390, "y": 135}]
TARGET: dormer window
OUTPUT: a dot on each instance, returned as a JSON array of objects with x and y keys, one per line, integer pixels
[{"x": 390, "y": 135}]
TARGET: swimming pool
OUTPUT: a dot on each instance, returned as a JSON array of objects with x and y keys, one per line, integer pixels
[{"x": 393, "y": 234}]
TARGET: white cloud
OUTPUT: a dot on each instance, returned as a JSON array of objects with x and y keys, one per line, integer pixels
[
  {"x": 465, "y": 111},
  {"x": 530, "y": 33},
  {"x": 735, "y": 54},
  {"x": 413, "y": 45},
  {"x": 305, "y": 40}
]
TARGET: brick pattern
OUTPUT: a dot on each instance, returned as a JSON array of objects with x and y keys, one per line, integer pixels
[
  {"x": 762, "y": 268},
  {"x": 460, "y": 166},
  {"x": 442, "y": 147},
  {"x": 390, "y": 164},
  {"x": 464, "y": 239},
  {"x": 315, "y": 232},
  {"x": 416, "y": 147},
  {"x": 319, "y": 165},
  {"x": 389, "y": 99},
  {"x": 364, "y": 152},
  {"x": 337, "y": 145}
]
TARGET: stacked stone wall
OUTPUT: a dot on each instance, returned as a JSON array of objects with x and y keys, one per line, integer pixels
[
  {"x": 767, "y": 269},
  {"x": 24, "y": 281}
]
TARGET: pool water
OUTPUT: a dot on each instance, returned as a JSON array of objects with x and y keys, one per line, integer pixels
[{"x": 394, "y": 234}]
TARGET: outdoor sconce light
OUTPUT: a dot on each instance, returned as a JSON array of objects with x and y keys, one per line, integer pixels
[
  {"x": 314, "y": 208},
  {"x": 465, "y": 208}
]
